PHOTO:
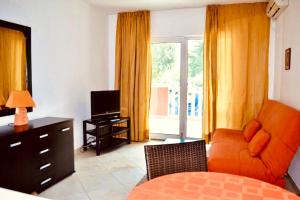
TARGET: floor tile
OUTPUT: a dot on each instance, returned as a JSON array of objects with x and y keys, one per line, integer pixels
[
  {"x": 70, "y": 186},
  {"x": 82, "y": 196},
  {"x": 112, "y": 175}
]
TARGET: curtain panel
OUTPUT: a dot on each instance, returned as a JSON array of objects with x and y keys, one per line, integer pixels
[
  {"x": 12, "y": 63},
  {"x": 236, "y": 49},
  {"x": 133, "y": 70}
]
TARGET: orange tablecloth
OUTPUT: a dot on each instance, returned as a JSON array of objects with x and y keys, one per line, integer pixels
[{"x": 208, "y": 186}]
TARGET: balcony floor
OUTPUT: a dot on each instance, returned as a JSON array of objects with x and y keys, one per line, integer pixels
[{"x": 170, "y": 125}]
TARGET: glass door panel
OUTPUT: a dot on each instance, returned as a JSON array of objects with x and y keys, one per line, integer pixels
[
  {"x": 195, "y": 89},
  {"x": 165, "y": 93}
]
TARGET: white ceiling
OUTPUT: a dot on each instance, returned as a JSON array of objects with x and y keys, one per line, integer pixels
[{"x": 114, "y": 6}]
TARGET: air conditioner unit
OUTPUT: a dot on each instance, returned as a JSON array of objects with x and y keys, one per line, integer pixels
[{"x": 276, "y": 7}]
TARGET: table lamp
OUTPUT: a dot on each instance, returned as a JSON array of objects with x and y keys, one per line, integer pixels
[{"x": 20, "y": 100}]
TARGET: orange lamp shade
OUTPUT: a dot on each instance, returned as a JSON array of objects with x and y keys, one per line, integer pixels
[{"x": 20, "y": 99}]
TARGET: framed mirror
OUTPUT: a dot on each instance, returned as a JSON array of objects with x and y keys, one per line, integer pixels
[{"x": 15, "y": 62}]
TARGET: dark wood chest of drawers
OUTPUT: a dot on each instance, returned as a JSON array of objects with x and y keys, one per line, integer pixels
[{"x": 38, "y": 156}]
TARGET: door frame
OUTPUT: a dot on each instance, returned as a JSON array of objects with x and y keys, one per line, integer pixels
[{"x": 183, "y": 82}]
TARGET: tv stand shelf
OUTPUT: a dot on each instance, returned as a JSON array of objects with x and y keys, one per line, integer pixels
[
  {"x": 116, "y": 131},
  {"x": 107, "y": 133}
]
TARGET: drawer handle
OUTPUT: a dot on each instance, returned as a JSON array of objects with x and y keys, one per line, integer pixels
[
  {"x": 45, "y": 166},
  {"x": 46, "y": 181},
  {"x": 15, "y": 144},
  {"x": 44, "y": 151},
  {"x": 65, "y": 129},
  {"x": 43, "y": 136}
]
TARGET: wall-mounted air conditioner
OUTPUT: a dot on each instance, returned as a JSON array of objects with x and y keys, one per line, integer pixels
[{"x": 276, "y": 7}]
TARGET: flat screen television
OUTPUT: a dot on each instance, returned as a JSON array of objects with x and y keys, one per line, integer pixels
[{"x": 104, "y": 103}]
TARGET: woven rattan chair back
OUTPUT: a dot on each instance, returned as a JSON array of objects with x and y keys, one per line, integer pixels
[{"x": 166, "y": 159}]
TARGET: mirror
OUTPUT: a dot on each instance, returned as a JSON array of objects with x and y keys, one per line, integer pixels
[{"x": 15, "y": 62}]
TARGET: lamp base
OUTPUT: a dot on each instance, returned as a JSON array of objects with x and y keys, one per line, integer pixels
[{"x": 21, "y": 117}]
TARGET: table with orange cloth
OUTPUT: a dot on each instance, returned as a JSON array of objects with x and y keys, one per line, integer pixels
[{"x": 208, "y": 186}]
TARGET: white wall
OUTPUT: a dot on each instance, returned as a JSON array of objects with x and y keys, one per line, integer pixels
[
  {"x": 179, "y": 22},
  {"x": 112, "y": 26},
  {"x": 287, "y": 82},
  {"x": 167, "y": 23},
  {"x": 272, "y": 52},
  {"x": 69, "y": 55}
]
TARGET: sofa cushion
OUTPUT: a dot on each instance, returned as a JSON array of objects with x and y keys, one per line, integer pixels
[
  {"x": 229, "y": 154},
  {"x": 229, "y": 135},
  {"x": 258, "y": 142},
  {"x": 283, "y": 123},
  {"x": 254, "y": 167},
  {"x": 224, "y": 157},
  {"x": 251, "y": 129},
  {"x": 226, "y": 145}
]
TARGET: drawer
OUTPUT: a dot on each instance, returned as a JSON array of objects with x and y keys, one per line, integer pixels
[
  {"x": 13, "y": 142},
  {"x": 15, "y": 153},
  {"x": 48, "y": 136},
  {"x": 45, "y": 182},
  {"x": 64, "y": 127},
  {"x": 44, "y": 169},
  {"x": 44, "y": 140},
  {"x": 43, "y": 155},
  {"x": 64, "y": 130}
]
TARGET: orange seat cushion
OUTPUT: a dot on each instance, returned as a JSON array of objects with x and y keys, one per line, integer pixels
[
  {"x": 229, "y": 154},
  {"x": 226, "y": 145},
  {"x": 258, "y": 142},
  {"x": 251, "y": 129}
]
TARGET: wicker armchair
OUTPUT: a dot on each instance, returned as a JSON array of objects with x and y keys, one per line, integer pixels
[{"x": 173, "y": 158}]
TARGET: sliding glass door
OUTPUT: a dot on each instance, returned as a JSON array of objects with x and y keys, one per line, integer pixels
[
  {"x": 194, "y": 88},
  {"x": 165, "y": 91},
  {"x": 176, "y": 96}
]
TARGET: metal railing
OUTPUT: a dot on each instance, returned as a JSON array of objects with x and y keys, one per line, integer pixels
[{"x": 194, "y": 102}]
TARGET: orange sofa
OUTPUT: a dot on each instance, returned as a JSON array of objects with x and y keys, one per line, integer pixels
[{"x": 229, "y": 150}]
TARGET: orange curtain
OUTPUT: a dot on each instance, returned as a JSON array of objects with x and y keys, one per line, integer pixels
[
  {"x": 236, "y": 48},
  {"x": 12, "y": 63},
  {"x": 133, "y": 70}
]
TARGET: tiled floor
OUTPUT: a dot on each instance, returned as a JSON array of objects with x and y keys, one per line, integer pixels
[{"x": 111, "y": 175}]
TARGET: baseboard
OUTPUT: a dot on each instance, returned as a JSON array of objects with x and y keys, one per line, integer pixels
[
  {"x": 77, "y": 151},
  {"x": 292, "y": 184}
]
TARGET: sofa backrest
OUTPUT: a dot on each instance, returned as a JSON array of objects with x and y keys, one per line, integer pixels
[{"x": 283, "y": 123}]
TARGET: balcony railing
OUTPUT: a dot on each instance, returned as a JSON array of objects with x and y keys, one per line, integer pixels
[{"x": 165, "y": 102}]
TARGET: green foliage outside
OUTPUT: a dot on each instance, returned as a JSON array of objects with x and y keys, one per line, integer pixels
[
  {"x": 195, "y": 63},
  {"x": 166, "y": 64}
]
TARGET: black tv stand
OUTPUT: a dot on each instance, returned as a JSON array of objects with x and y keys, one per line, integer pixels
[
  {"x": 106, "y": 133},
  {"x": 106, "y": 116}
]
